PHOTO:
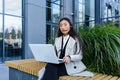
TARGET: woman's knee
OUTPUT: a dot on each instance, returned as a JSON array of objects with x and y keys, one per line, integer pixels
[{"x": 50, "y": 66}]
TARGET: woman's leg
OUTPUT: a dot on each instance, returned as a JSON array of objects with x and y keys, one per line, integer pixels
[
  {"x": 51, "y": 72},
  {"x": 62, "y": 70}
]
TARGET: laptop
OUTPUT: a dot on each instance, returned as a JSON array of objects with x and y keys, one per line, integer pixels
[{"x": 45, "y": 53}]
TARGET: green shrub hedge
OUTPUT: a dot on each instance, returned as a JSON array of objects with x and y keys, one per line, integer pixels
[{"x": 102, "y": 49}]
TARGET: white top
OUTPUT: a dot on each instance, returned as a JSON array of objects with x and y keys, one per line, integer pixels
[{"x": 65, "y": 38}]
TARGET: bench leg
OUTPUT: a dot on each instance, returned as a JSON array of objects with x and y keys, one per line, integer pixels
[{"x": 15, "y": 74}]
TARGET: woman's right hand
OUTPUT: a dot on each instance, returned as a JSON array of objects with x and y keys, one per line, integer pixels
[{"x": 67, "y": 59}]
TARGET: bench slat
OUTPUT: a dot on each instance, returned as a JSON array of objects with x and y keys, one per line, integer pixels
[
  {"x": 114, "y": 78},
  {"x": 101, "y": 77},
  {"x": 107, "y": 77},
  {"x": 95, "y": 77},
  {"x": 84, "y": 78},
  {"x": 15, "y": 63},
  {"x": 31, "y": 66}
]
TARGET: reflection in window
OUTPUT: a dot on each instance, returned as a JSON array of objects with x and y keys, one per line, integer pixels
[
  {"x": 1, "y": 39},
  {"x": 53, "y": 10},
  {"x": 13, "y": 40},
  {"x": 116, "y": 18},
  {"x": 109, "y": 14},
  {"x": 81, "y": 11},
  {"x": 12, "y": 25},
  {"x": 85, "y": 13},
  {"x": 13, "y": 8},
  {"x": 0, "y": 6},
  {"x": 80, "y": 7},
  {"x": 105, "y": 15},
  {"x": 55, "y": 13},
  {"x": 13, "y": 31},
  {"x": 1, "y": 27}
]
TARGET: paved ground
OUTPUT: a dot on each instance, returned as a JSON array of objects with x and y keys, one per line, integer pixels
[{"x": 4, "y": 72}]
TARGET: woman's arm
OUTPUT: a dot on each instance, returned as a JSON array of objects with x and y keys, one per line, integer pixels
[{"x": 77, "y": 56}]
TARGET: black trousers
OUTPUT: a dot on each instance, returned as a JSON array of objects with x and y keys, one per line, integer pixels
[{"x": 53, "y": 71}]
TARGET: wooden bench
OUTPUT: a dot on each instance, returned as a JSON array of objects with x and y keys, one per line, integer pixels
[{"x": 28, "y": 70}]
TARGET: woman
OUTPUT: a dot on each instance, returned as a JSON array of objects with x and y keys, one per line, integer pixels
[{"x": 68, "y": 47}]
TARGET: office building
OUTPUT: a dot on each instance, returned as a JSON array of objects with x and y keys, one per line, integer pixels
[{"x": 35, "y": 21}]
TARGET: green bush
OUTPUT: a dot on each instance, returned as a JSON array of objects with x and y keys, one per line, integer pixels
[{"x": 102, "y": 49}]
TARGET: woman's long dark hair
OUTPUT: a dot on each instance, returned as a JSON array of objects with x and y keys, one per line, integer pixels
[{"x": 72, "y": 32}]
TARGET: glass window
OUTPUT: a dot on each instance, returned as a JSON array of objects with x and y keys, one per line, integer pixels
[
  {"x": 0, "y": 25},
  {"x": 80, "y": 1},
  {"x": 12, "y": 29},
  {"x": 1, "y": 39},
  {"x": 85, "y": 12},
  {"x": 13, "y": 34},
  {"x": 109, "y": 13},
  {"x": 14, "y": 23},
  {"x": 53, "y": 10},
  {"x": 81, "y": 11},
  {"x": 119, "y": 1},
  {"x": 80, "y": 7},
  {"x": 0, "y": 6},
  {"x": 56, "y": 2},
  {"x": 55, "y": 13},
  {"x": 80, "y": 15},
  {"x": 13, "y": 8}
]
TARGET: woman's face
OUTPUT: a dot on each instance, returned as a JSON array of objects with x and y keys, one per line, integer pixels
[{"x": 64, "y": 27}]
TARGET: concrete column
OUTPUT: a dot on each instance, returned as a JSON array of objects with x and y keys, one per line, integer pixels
[{"x": 35, "y": 24}]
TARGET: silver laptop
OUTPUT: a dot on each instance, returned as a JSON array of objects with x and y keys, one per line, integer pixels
[{"x": 45, "y": 53}]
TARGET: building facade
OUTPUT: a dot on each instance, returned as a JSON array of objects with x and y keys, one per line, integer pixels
[{"x": 38, "y": 21}]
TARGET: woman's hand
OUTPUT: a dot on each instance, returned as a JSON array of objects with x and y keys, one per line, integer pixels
[{"x": 67, "y": 59}]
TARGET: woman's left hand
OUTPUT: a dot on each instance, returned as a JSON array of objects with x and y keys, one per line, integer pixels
[{"x": 66, "y": 59}]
